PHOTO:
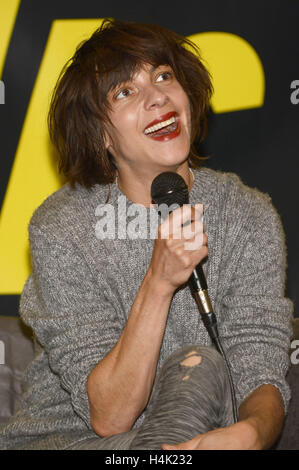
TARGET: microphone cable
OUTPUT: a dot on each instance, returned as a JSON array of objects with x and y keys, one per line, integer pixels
[{"x": 210, "y": 322}]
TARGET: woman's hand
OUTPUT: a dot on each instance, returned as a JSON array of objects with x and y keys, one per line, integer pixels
[
  {"x": 178, "y": 249},
  {"x": 239, "y": 436}
]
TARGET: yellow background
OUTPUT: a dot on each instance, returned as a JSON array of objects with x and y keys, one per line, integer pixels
[{"x": 238, "y": 80}]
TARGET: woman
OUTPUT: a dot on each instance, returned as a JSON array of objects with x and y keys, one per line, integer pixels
[{"x": 123, "y": 360}]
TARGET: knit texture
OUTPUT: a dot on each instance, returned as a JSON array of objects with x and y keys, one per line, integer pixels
[{"x": 78, "y": 298}]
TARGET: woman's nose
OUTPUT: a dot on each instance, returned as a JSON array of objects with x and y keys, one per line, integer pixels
[{"x": 154, "y": 97}]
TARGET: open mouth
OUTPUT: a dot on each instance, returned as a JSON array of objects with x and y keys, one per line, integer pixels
[
  {"x": 162, "y": 128},
  {"x": 166, "y": 127}
]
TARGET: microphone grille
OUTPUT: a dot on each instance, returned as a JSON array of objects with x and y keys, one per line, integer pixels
[{"x": 169, "y": 188}]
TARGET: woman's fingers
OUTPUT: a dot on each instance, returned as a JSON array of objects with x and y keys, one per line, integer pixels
[
  {"x": 180, "y": 246},
  {"x": 183, "y": 223}
]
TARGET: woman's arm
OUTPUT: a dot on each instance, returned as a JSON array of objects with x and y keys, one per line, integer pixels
[
  {"x": 119, "y": 386},
  {"x": 263, "y": 411},
  {"x": 260, "y": 422}
]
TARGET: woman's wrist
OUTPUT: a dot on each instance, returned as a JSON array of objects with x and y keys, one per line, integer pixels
[{"x": 158, "y": 286}]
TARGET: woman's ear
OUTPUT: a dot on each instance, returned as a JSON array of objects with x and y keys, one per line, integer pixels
[{"x": 107, "y": 140}]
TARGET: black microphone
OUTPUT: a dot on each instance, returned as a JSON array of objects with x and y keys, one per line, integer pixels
[{"x": 170, "y": 188}]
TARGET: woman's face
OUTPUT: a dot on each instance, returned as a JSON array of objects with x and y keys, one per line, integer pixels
[{"x": 151, "y": 119}]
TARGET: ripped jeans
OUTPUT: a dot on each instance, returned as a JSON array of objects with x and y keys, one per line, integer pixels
[{"x": 191, "y": 396}]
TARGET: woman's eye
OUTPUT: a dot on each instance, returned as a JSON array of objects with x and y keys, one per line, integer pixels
[
  {"x": 163, "y": 76},
  {"x": 123, "y": 93}
]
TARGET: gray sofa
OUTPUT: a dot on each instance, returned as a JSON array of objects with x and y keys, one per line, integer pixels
[{"x": 17, "y": 346}]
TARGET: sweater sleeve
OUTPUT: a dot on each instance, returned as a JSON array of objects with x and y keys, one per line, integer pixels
[
  {"x": 70, "y": 314},
  {"x": 255, "y": 314}
]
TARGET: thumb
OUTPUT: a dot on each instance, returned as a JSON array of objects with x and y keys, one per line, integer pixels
[
  {"x": 169, "y": 446},
  {"x": 188, "y": 445}
]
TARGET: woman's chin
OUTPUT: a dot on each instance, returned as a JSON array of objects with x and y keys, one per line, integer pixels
[{"x": 174, "y": 160}]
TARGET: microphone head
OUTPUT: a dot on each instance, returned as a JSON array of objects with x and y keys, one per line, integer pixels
[{"x": 169, "y": 188}]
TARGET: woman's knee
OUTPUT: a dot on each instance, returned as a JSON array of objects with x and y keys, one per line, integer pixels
[{"x": 195, "y": 355}]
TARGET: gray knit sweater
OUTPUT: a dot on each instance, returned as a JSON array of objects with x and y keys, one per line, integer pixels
[{"x": 81, "y": 289}]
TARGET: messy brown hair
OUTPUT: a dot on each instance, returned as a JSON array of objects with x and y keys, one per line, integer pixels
[{"x": 79, "y": 107}]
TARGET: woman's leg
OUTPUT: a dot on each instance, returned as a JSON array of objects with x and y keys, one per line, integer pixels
[
  {"x": 191, "y": 396},
  {"x": 117, "y": 442}
]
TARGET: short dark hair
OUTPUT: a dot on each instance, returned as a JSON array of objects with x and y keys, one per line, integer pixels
[{"x": 79, "y": 106}]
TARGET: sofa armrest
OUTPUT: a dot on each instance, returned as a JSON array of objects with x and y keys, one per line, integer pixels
[{"x": 16, "y": 352}]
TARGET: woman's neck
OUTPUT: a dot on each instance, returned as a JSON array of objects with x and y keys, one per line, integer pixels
[{"x": 138, "y": 188}]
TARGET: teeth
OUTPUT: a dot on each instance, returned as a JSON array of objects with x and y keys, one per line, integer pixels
[{"x": 156, "y": 127}]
